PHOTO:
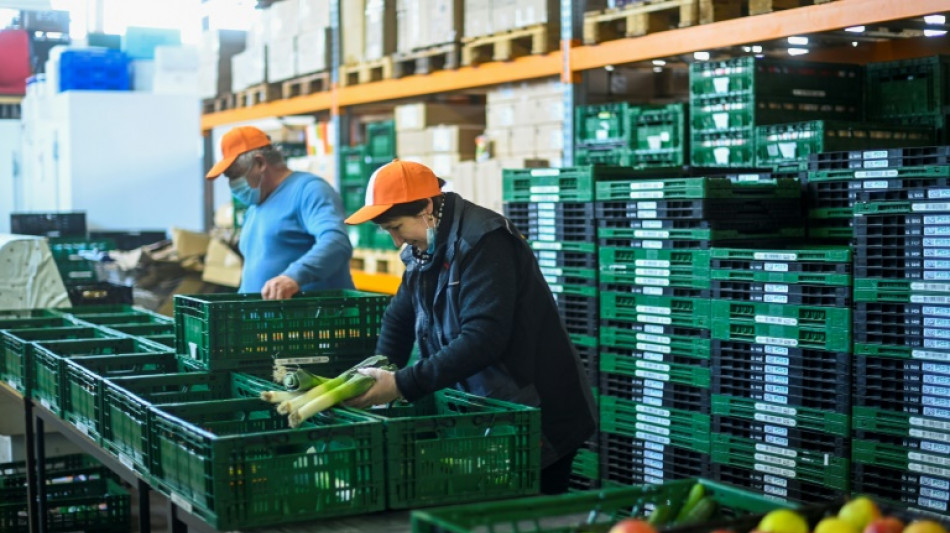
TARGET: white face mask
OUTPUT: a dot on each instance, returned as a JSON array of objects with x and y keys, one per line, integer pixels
[{"x": 243, "y": 191}]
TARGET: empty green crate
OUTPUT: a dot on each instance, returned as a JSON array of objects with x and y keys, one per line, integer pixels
[
  {"x": 662, "y": 425},
  {"x": 793, "y": 142},
  {"x": 71, "y": 265},
  {"x": 613, "y": 157},
  {"x": 780, "y": 415},
  {"x": 48, "y": 375},
  {"x": 137, "y": 330},
  {"x": 775, "y": 78},
  {"x": 648, "y": 277},
  {"x": 100, "y": 505},
  {"x": 900, "y": 458},
  {"x": 83, "y": 384},
  {"x": 722, "y": 149},
  {"x": 832, "y": 340},
  {"x": 381, "y": 140},
  {"x": 649, "y": 342},
  {"x": 648, "y": 309},
  {"x": 235, "y": 331},
  {"x": 126, "y": 403},
  {"x": 660, "y": 263},
  {"x": 698, "y": 188},
  {"x": 830, "y": 254},
  {"x": 901, "y": 291},
  {"x": 896, "y": 423},
  {"x": 908, "y": 87},
  {"x": 692, "y": 375},
  {"x": 602, "y": 124},
  {"x": 658, "y": 135},
  {"x": 32, "y": 322},
  {"x": 573, "y": 184},
  {"x": 765, "y": 276},
  {"x": 790, "y": 463},
  {"x": 453, "y": 447},
  {"x": 942, "y": 171},
  {"x": 17, "y": 364},
  {"x": 591, "y": 511},
  {"x": 831, "y": 318},
  {"x": 236, "y": 464}
]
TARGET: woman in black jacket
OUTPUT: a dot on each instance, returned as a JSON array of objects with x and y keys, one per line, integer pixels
[{"x": 474, "y": 298}]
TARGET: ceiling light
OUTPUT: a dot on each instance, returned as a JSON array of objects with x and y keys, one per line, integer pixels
[
  {"x": 935, "y": 19},
  {"x": 855, "y": 29},
  {"x": 797, "y": 51},
  {"x": 657, "y": 69},
  {"x": 934, "y": 33},
  {"x": 659, "y": 62},
  {"x": 854, "y": 44},
  {"x": 701, "y": 56},
  {"x": 756, "y": 49},
  {"x": 798, "y": 40},
  {"x": 609, "y": 68},
  {"x": 747, "y": 49}
]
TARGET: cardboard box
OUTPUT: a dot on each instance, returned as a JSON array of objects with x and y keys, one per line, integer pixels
[
  {"x": 284, "y": 20},
  {"x": 554, "y": 159},
  {"x": 313, "y": 52},
  {"x": 380, "y": 32},
  {"x": 500, "y": 115},
  {"x": 489, "y": 185},
  {"x": 281, "y": 58},
  {"x": 503, "y": 15},
  {"x": 249, "y": 68},
  {"x": 410, "y": 25},
  {"x": 443, "y": 21},
  {"x": 189, "y": 243},
  {"x": 454, "y": 139},
  {"x": 313, "y": 15},
  {"x": 532, "y": 12},
  {"x": 412, "y": 142},
  {"x": 548, "y": 109},
  {"x": 422, "y": 115},
  {"x": 222, "y": 265},
  {"x": 463, "y": 181},
  {"x": 175, "y": 82},
  {"x": 478, "y": 19},
  {"x": 258, "y": 33},
  {"x": 352, "y": 21},
  {"x": 168, "y": 58},
  {"x": 522, "y": 140},
  {"x": 443, "y": 165},
  {"x": 549, "y": 137},
  {"x": 500, "y": 142},
  {"x": 29, "y": 278}
]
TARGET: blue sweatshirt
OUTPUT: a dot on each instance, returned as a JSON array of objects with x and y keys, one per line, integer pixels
[{"x": 297, "y": 231}]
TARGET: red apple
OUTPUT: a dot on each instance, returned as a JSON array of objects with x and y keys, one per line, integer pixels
[
  {"x": 632, "y": 525},
  {"x": 885, "y": 524}
]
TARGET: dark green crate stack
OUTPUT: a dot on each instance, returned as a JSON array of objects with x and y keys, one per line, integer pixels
[
  {"x": 913, "y": 92},
  {"x": 728, "y": 99},
  {"x": 781, "y": 333},
  {"x": 68, "y": 254},
  {"x": 357, "y": 164},
  {"x": 622, "y": 134},
  {"x": 901, "y": 412},
  {"x": 654, "y": 236},
  {"x": 553, "y": 209}
]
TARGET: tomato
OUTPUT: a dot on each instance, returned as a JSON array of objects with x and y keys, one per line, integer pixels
[{"x": 632, "y": 525}]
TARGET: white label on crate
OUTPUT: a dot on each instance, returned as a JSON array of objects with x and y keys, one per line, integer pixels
[
  {"x": 936, "y": 344},
  {"x": 721, "y": 155},
  {"x": 652, "y": 245},
  {"x": 546, "y": 263},
  {"x": 785, "y": 452},
  {"x": 551, "y": 280},
  {"x": 776, "y": 389},
  {"x": 654, "y": 411},
  {"x": 550, "y": 206},
  {"x": 874, "y": 154},
  {"x": 931, "y": 401},
  {"x": 776, "y": 373},
  {"x": 938, "y": 220},
  {"x": 82, "y": 428},
  {"x": 652, "y": 463},
  {"x": 652, "y": 263},
  {"x": 932, "y": 310},
  {"x": 880, "y": 163},
  {"x": 557, "y": 289},
  {"x": 938, "y": 194},
  {"x": 936, "y": 413},
  {"x": 775, "y": 299},
  {"x": 653, "y": 347},
  {"x": 641, "y": 185},
  {"x": 652, "y": 366},
  {"x": 601, "y": 134},
  {"x": 775, "y": 491},
  {"x": 658, "y": 272},
  {"x": 929, "y": 299},
  {"x": 649, "y": 423},
  {"x": 939, "y": 484},
  {"x": 778, "y": 441},
  {"x": 770, "y": 419},
  {"x": 544, "y": 228},
  {"x": 654, "y": 474},
  {"x": 775, "y": 267},
  {"x": 873, "y": 184},
  {"x": 931, "y": 504},
  {"x": 543, "y": 237},
  {"x": 652, "y": 393},
  {"x": 639, "y": 195},
  {"x": 721, "y": 120},
  {"x": 126, "y": 461},
  {"x": 871, "y": 174},
  {"x": 930, "y": 207},
  {"x": 778, "y": 320},
  {"x": 652, "y": 401},
  {"x": 937, "y": 264},
  {"x": 652, "y": 224},
  {"x": 929, "y": 355},
  {"x": 936, "y": 230},
  {"x": 546, "y": 245},
  {"x": 180, "y": 501},
  {"x": 544, "y": 198},
  {"x": 302, "y": 360},
  {"x": 553, "y": 271},
  {"x": 930, "y": 252},
  {"x": 936, "y": 333},
  {"x": 777, "y": 481},
  {"x": 654, "y": 446},
  {"x": 653, "y": 291},
  {"x": 658, "y": 282},
  {"x": 646, "y": 206},
  {"x": 653, "y": 338},
  {"x": 934, "y": 447},
  {"x": 775, "y": 399},
  {"x": 788, "y": 149},
  {"x": 932, "y": 424},
  {"x": 784, "y": 472},
  {"x": 766, "y": 408},
  {"x": 653, "y": 309},
  {"x": 776, "y": 430},
  {"x": 651, "y": 375},
  {"x": 762, "y": 339},
  {"x": 936, "y": 243},
  {"x": 551, "y": 256},
  {"x": 927, "y": 458},
  {"x": 928, "y": 469},
  {"x": 777, "y": 350},
  {"x": 930, "y": 435},
  {"x": 774, "y": 256},
  {"x": 776, "y": 287},
  {"x": 544, "y": 189},
  {"x": 193, "y": 349},
  {"x": 45, "y": 403},
  {"x": 651, "y": 234},
  {"x": 936, "y": 322},
  {"x": 654, "y": 455},
  {"x": 777, "y": 359},
  {"x": 652, "y": 384},
  {"x": 655, "y": 142},
  {"x": 642, "y": 435},
  {"x": 721, "y": 84},
  {"x": 650, "y": 356},
  {"x": 932, "y": 390}
]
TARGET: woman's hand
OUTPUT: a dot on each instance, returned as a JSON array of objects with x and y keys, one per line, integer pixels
[{"x": 381, "y": 393}]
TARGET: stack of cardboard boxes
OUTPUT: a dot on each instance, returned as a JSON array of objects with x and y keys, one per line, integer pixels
[
  {"x": 438, "y": 135},
  {"x": 368, "y": 30}
]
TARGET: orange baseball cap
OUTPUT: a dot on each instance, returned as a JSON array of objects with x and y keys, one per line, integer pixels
[
  {"x": 394, "y": 183},
  {"x": 234, "y": 143}
]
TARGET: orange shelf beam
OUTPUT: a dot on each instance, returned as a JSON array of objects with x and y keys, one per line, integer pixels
[
  {"x": 300, "y": 105},
  {"x": 383, "y": 283}
]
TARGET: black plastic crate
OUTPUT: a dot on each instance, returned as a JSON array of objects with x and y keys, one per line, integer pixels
[
  {"x": 634, "y": 461},
  {"x": 783, "y": 293},
  {"x": 639, "y": 365},
  {"x": 891, "y": 323},
  {"x": 698, "y": 334},
  {"x": 100, "y": 293},
  {"x": 788, "y": 437},
  {"x": 49, "y": 224},
  {"x": 584, "y": 232},
  {"x": 651, "y": 290},
  {"x": 654, "y": 392},
  {"x": 926, "y": 444},
  {"x": 892, "y": 384},
  {"x": 724, "y": 212},
  {"x": 786, "y": 361},
  {"x": 774, "y": 486},
  {"x": 566, "y": 259},
  {"x": 130, "y": 240},
  {"x": 832, "y": 395},
  {"x": 780, "y": 266},
  {"x": 914, "y": 336},
  {"x": 873, "y": 158},
  {"x": 902, "y": 486}
]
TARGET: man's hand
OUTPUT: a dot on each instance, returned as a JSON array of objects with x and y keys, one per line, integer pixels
[
  {"x": 381, "y": 393},
  {"x": 280, "y": 287}
]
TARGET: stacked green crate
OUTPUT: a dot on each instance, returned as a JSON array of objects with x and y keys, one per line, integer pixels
[
  {"x": 654, "y": 236},
  {"x": 357, "y": 164},
  {"x": 728, "y": 99},
  {"x": 553, "y": 208},
  {"x": 781, "y": 330},
  {"x": 68, "y": 254},
  {"x": 621, "y": 134},
  {"x": 912, "y": 92},
  {"x": 901, "y": 401}
]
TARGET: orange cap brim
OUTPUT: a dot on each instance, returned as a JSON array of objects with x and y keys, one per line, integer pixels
[
  {"x": 367, "y": 213},
  {"x": 220, "y": 167}
]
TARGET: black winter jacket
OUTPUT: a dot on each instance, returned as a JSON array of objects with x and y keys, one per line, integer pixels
[{"x": 486, "y": 323}]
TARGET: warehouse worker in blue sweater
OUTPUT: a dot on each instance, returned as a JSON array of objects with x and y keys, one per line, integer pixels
[{"x": 293, "y": 237}]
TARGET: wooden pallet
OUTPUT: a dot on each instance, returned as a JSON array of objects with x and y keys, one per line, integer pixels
[
  {"x": 426, "y": 60},
  {"x": 650, "y": 16},
  {"x": 304, "y": 85},
  {"x": 377, "y": 261},
  {"x": 504, "y": 46},
  {"x": 218, "y": 103},
  {"x": 367, "y": 72},
  {"x": 257, "y": 94},
  {"x": 758, "y": 7}
]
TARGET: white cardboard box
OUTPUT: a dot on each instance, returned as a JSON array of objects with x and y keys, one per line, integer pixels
[
  {"x": 312, "y": 52},
  {"x": 29, "y": 278},
  {"x": 313, "y": 15},
  {"x": 281, "y": 58},
  {"x": 454, "y": 139}
]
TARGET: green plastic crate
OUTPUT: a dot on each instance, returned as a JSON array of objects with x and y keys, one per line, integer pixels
[
  {"x": 126, "y": 402},
  {"x": 662, "y": 425},
  {"x": 831, "y": 318},
  {"x": 572, "y": 184},
  {"x": 804, "y": 465},
  {"x": 779, "y": 415},
  {"x": 722, "y": 149},
  {"x": 235, "y": 331},
  {"x": 764, "y": 276},
  {"x": 831, "y": 254},
  {"x": 647, "y": 262},
  {"x": 602, "y": 124},
  {"x": 100, "y": 505},
  {"x": 71, "y": 265},
  {"x": 908, "y": 87},
  {"x": 586, "y": 465},
  {"x": 832, "y": 340},
  {"x": 83, "y": 384},
  {"x": 613, "y": 157},
  {"x": 899, "y": 457},
  {"x": 887, "y": 173},
  {"x": 779, "y": 78},
  {"x": 693, "y": 234},
  {"x": 454, "y": 447},
  {"x": 687, "y": 346},
  {"x": 590, "y": 511},
  {"x": 17, "y": 364},
  {"x": 381, "y": 139},
  {"x": 581, "y": 247},
  {"x": 896, "y": 423},
  {"x": 47, "y": 379},
  {"x": 647, "y": 309},
  {"x": 691, "y": 375},
  {"x": 900, "y": 291},
  {"x": 236, "y": 464},
  {"x": 658, "y": 135},
  {"x": 695, "y": 280}
]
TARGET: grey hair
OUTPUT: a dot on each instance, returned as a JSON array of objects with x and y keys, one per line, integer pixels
[{"x": 270, "y": 153}]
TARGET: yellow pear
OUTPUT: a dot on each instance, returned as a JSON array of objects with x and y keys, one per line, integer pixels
[
  {"x": 783, "y": 521},
  {"x": 860, "y": 511},
  {"x": 835, "y": 525}
]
